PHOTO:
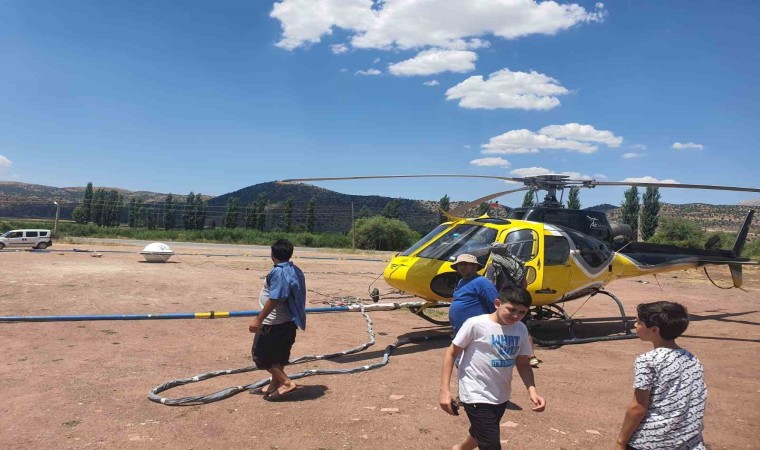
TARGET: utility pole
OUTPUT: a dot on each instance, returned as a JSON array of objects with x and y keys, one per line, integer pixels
[
  {"x": 57, "y": 211},
  {"x": 353, "y": 228}
]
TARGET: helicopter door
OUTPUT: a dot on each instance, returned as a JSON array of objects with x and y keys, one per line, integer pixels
[
  {"x": 556, "y": 270},
  {"x": 523, "y": 245}
]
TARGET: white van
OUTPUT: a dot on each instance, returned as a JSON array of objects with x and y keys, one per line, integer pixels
[{"x": 20, "y": 238}]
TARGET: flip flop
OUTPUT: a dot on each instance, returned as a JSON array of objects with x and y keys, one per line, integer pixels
[{"x": 276, "y": 396}]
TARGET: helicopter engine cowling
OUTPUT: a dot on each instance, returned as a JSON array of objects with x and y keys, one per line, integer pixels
[{"x": 621, "y": 231}]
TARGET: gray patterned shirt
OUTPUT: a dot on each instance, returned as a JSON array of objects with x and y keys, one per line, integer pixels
[{"x": 674, "y": 420}]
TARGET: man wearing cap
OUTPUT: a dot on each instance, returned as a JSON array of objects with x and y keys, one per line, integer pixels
[{"x": 474, "y": 294}]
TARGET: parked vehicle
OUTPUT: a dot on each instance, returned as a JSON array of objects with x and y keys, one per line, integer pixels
[{"x": 21, "y": 238}]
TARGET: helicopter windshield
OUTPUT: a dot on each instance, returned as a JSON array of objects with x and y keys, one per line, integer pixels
[
  {"x": 424, "y": 240},
  {"x": 473, "y": 239}
]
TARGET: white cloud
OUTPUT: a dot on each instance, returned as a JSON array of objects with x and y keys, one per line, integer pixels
[
  {"x": 578, "y": 132},
  {"x": 631, "y": 155},
  {"x": 648, "y": 179},
  {"x": 508, "y": 90},
  {"x": 490, "y": 162},
  {"x": 408, "y": 24},
  {"x": 600, "y": 176},
  {"x": 339, "y": 49},
  {"x": 467, "y": 146},
  {"x": 526, "y": 141},
  {"x": 368, "y": 72},
  {"x": 638, "y": 146},
  {"x": 688, "y": 146},
  {"x": 434, "y": 61},
  {"x": 536, "y": 171},
  {"x": 431, "y": 83},
  {"x": 4, "y": 162}
]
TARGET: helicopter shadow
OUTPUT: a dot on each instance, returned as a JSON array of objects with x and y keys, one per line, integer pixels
[
  {"x": 437, "y": 340},
  {"x": 554, "y": 334},
  {"x": 723, "y": 317}
]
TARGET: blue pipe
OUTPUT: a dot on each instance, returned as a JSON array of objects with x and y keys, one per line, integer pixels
[{"x": 168, "y": 316}]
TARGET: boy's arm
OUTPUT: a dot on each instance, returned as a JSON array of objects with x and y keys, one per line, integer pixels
[
  {"x": 526, "y": 374},
  {"x": 633, "y": 417},
  {"x": 256, "y": 324},
  {"x": 448, "y": 366}
]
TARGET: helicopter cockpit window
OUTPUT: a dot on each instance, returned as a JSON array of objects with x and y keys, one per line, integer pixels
[
  {"x": 522, "y": 244},
  {"x": 472, "y": 239},
  {"x": 594, "y": 253},
  {"x": 438, "y": 230},
  {"x": 556, "y": 250}
]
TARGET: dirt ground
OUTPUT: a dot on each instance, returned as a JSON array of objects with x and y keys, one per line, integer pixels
[{"x": 85, "y": 384}]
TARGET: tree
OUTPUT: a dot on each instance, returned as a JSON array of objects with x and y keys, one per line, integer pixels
[
  {"x": 630, "y": 209},
  {"x": 87, "y": 202},
  {"x": 483, "y": 208},
  {"x": 261, "y": 212},
  {"x": 390, "y": 211},
  {"x": 141, "y": 219},
  {"x": 573, "y": 198},
  {"x": 170, "y": 219},
  {"x": 199, "y": 212},
  {"x": 232, "y": 213},
  {"x": 79, "y": 215},
  {"x": 528, "y": 200},
  {"x": 381, "y": 233},
  {"x": 250, "y": 215},
  {"x": 310, "y": 212},
  {"x": 96, "y": 210},
  {"x": 364, "y": 212},
  {"x": 679, "y": 231},
  {"x": 444, "y": 204},
  {"x": 650, "y": 209},
  {"x": 188, "y": 213},
  {"x": 288, "y": 214},
  {"x": 132, "y": 213}
]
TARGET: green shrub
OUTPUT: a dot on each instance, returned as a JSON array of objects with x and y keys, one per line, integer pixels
[
  {"x": 679, "y": 231},
  {"x": 381, "y": 233}
]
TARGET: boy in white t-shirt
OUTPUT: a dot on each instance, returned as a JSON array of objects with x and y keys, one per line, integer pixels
[{"x": 492, "y": 344}]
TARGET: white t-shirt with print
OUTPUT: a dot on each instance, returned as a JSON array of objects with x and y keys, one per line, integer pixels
[
  {"x": 676, "y": 383},
  {"x": 490, "y": 350}
]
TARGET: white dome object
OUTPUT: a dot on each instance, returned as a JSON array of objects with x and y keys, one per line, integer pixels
[{"x": 157, "y": 252}]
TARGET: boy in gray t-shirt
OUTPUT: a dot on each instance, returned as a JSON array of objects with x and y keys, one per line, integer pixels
[{"x": 669, "y": 387}]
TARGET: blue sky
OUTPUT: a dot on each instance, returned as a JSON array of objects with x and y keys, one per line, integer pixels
[{"x": 212, "y": 97}]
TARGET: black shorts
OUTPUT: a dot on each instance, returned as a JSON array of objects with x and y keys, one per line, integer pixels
[
  {"x": 272, "y": 344},
  {"x": 484, "y": 423}
]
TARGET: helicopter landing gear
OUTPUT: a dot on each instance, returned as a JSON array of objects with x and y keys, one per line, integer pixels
[
  {"x": 554, "y": 313},
  {"x": 420, "y": 312}
]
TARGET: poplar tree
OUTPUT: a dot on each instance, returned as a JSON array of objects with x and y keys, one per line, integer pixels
[
  {"x": 444, "y": 204},
  {"x": 288, "y": 214},
  {"x": 87, "y": 202},
  {"x": 630, "y": 209},
  {"x": 528, "y": 200},
  {"x": 232, "y": 213},
  {"x": 199, "y": 212},
  {"x": 390, "y": 211},
  {"x": 250, "y": 215},
  {"x": 650, "y": 209},
  {"x": 170, "y": 219},
  {"x": 188, "y": 220},
  {"x": 261, "y": 211},
  {"x": 573, "y": 198},
  {"x": 363, "y": 213},
  {"x": 310, "y": 213}
]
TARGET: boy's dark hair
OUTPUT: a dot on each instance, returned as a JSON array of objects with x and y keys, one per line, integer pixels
[
  {"x": 671, "y": 318},
  {"x": 515, "y": 295},
  {"x": 282, "y": 250}
]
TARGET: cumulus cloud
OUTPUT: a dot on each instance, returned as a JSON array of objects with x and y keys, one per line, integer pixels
[
  {"x": 431, "y": 83},
  {"x": 4, "y": 162},
  {"x": 508, "y": 90},
  {"x": 526, "y": 141},
  {"x": 536, "y": 171},
  {"x": 600, "y": 176},
  {"x": 688, "y": 146},
  {"x": 631, "y": 155},
  {"x": 339, "y": 49},
  {"x": 638, "y": 146},
  {"x": 578, "y": 132},
  {"x": 648, "y": 179},
  {"x": 490, "y": 162},
  {"x": 430, "y": 62},
  {"x": 408, "y": 24},
  {"x": 369, "y": 72}
]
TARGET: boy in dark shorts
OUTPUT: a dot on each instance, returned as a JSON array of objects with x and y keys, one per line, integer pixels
[
  {"x": 283, "y": 309},
  {"x": 669, "y": 394},
  {"x": 491, "y": 345}
]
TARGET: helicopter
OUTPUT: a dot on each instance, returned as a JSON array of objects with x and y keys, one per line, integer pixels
[{"x": 566, "y": 254}]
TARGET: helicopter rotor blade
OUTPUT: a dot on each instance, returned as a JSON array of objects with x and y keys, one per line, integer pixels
[
  {"x": 308, "y": 180},
  {"x": 675, "y": 185},
  {"x": 469, "y": 205}
]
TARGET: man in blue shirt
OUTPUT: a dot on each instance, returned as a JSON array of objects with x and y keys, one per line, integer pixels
[
  {"x": 283, "y": 309},
  {"x": 474, "y": 294}
]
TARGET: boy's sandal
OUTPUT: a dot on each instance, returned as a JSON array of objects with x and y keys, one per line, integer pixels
[{"x": 534, "y": 362}]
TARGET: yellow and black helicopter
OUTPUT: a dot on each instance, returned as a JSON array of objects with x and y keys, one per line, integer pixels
[{"x": 566, "y": 254}]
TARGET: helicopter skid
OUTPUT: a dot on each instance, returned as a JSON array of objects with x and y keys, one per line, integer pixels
[
  {"x": 555, "y": 313},
  {"x": 420, "y": 312}
]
